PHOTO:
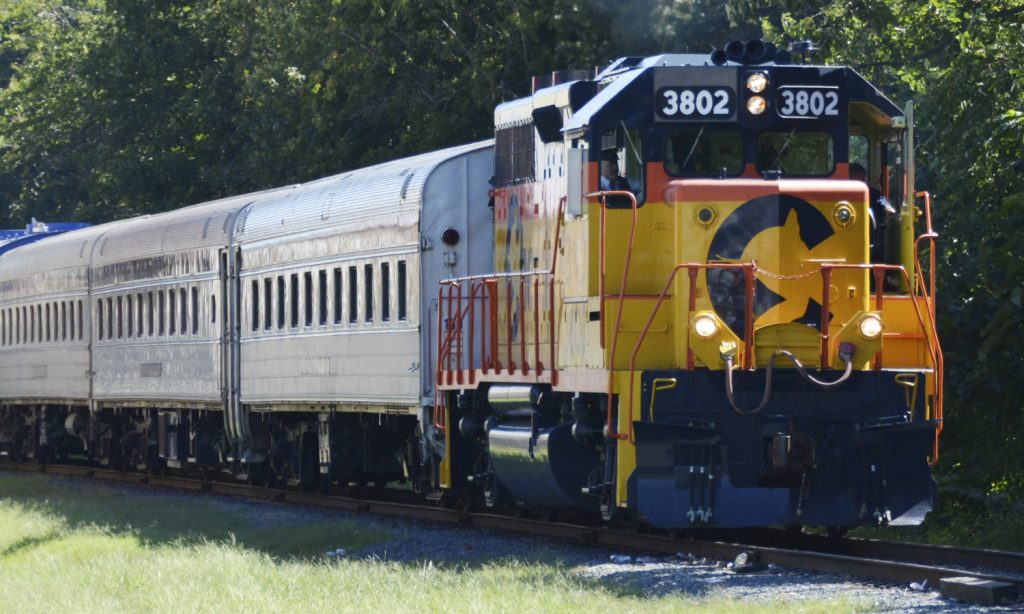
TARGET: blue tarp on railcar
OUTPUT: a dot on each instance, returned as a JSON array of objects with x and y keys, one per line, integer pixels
[{"x": 14, "y": 238}]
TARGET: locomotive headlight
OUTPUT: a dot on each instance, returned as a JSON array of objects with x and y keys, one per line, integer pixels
[
  {"x": 756, "y": 105},
  {"x": 756, "y": 82},
  {"x": 705, "y": 326},
  {"x": 871, "y": 326}
]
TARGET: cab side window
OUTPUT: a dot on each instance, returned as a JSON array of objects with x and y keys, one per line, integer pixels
[{"x": 622, "y": 165}]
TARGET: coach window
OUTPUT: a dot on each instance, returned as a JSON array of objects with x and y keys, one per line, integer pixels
[
  {"x": 293, "y": 303},
  {"x": 385, "y": 292},
  {"x": 46, "y": 323},
  {"x": 150, "y": 313},
  {"x": 39, "y": 323},
  {"x": 268, "y": 303},
  {"x": 800, "y": 154},
  {"x": 3, "y": 327},
  {"x": 280, "y": 302},
  {"x": 368, "y": 295},
  {"x": 184, "y": 311},
  {"x": 195, "y": 310},
  {"x": 99, "y": 320},
  {"x": 255, "y": 314},
  {"x": 172, "y": 312},
  {"x": 337, "y": 295},
  {"x": 402, "y": 291},
  {"x": 307, "y": 297},
  {"x": 139, "y": 314},
  {"x": 322, "y": 295},
  {"x": 353, "y": 295},
  {"x": 213, "y": 309},
  {"x": 161, "y": 306},
  {"x": 129, "y": 316},
  {"x": 110, "y": 318},
  {"x": 63, "y": 320}
]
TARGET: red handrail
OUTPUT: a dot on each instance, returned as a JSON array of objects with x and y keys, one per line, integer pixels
[
  {"x": 603, "y": 195},
  {"x": 450, "y": 367},
  {"x": 929, "y": 329}
]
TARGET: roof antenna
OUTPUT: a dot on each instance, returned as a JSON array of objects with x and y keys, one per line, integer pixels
[{"x": 805, "y": 49}]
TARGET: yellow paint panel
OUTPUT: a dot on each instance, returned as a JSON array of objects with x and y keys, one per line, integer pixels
[
  {"x": 625, "y": 455},
  {"x": 904, "y": 342},
  {"x": 802, "y": 340},
  {"x": 657, "y": 350}
]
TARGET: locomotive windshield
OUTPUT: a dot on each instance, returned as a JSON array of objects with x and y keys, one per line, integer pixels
[
  {"x": 796, "y": 153},
  {"x": 703, "y": 152}
]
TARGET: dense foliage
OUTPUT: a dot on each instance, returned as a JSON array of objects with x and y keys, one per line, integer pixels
[{"x": 116, "y": 107}]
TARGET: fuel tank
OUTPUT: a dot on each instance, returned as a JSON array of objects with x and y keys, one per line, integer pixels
[{"x": 544, "y": 467}]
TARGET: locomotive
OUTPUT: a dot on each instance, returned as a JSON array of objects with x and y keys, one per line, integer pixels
[{"x": 659, "y": 294}]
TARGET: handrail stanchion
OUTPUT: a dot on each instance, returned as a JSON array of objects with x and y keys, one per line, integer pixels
[
  {"x": 748, "y": 316},
  {"x": 448, "y": 337},
  {"x": 879, "y": 274},
  {"x": 523, "y": 365},
  {"x": 613, "y": 432},
  {"x": 511, "y": 366},
  {"x": 537, "y": 367},
  {"x": 552, "y": 331},
  {"x": 460, "y": 335},
  {"x": 691, "y": 358},
  {"x": 826, "y": 277},
  {"x": 470, "y": 370},
  {"x": 492, "y": 290}
]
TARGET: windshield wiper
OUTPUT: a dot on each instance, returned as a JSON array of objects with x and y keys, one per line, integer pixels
[
  {"x": 693, "y": 148},
  {"x": 785, "y": 146}
]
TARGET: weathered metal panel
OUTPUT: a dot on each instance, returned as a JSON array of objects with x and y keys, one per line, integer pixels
[
  {"x": 340, "y": 367},
  {"x": 160, "y": 365},
  {"x": 169, "y": 370},
  {"x": 58, "y": 264},
  {"x": 58, "y": 371}
]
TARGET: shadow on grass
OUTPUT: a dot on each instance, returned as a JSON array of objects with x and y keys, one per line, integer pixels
[
  {"x": 30, "y": 542},
  {"x": 157, "y": 518},
  {"x": 283, "y": 532}
]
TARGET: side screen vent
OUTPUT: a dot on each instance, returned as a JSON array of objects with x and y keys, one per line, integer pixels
[{"x": 513, "y": 154}]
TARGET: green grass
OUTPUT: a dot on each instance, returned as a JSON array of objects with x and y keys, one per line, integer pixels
[
  {"x": 995, "y": 527},
  {"x": 79, "y": 546}
]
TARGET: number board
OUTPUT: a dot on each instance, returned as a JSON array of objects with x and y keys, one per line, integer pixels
[
  {"x": 695, "y": 103},
  {"x": 808, "y": 102}
]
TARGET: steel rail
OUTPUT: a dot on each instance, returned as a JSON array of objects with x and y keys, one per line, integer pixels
[{"x": 899, "y": 562}]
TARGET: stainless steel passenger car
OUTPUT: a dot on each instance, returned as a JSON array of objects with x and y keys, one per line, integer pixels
[{"x": 282, "y": 335}]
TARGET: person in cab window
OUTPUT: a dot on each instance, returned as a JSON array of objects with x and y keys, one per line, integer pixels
[
  {"x": 880, "y": 209},
  {"x": 610, "y": 177}
]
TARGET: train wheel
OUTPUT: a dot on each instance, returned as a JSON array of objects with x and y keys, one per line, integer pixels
[{"x": 837, "y": 532}]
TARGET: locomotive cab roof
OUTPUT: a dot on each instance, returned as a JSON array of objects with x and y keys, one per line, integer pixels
[{"x": 628, "y": 90}]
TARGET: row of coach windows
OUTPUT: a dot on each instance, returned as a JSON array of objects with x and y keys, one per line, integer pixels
[
  {"x": 156, "y": 313},
  {"x": 41, "y": 323},
  {"x": 330, "y": 296}
]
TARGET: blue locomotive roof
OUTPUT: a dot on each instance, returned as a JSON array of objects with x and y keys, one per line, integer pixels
[
  {"x": 631, "y": 75},
  {"x": 14, "y": 238}
]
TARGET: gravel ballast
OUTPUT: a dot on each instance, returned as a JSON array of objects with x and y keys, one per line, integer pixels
[{"x": 424, "y": 543}]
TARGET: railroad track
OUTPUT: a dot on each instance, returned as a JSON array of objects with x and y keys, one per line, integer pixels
[{"x": 896, "y": 562}]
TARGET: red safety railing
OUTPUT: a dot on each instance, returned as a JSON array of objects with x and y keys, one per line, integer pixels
[
  {"x": 469, "y": 339},
  {"x": 921, "y": 293}
]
